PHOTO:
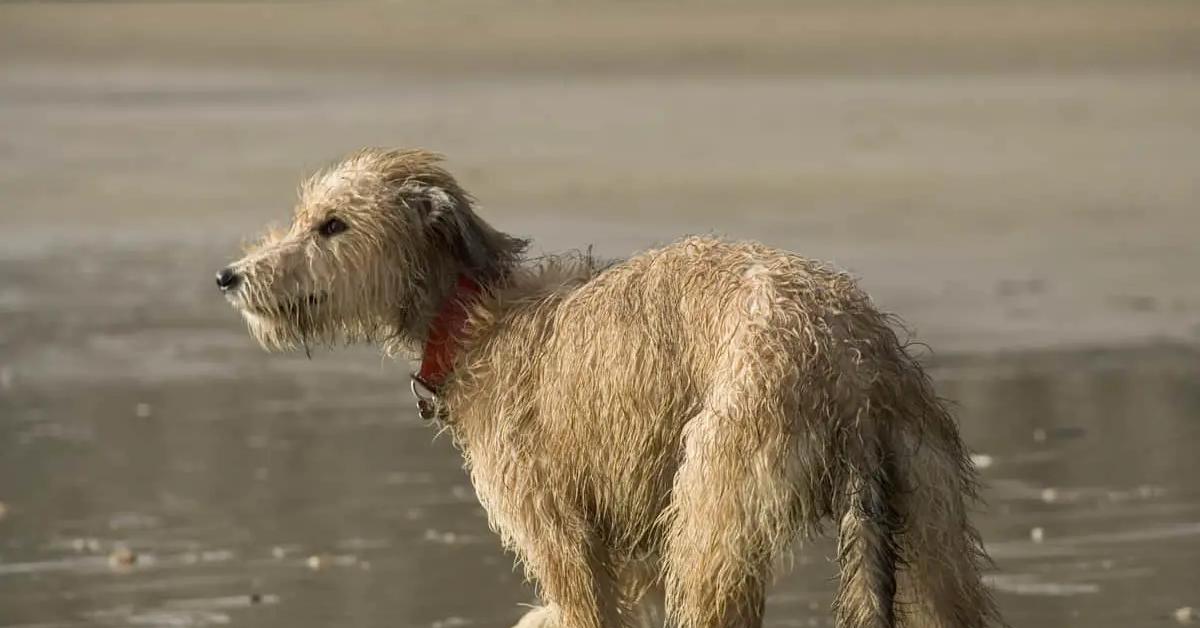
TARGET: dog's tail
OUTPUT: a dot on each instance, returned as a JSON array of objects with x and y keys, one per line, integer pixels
[
  {"x": 909, "y": 553},
  {"x": 868, "y": 540},
  {"x": 941, "y": 584}
]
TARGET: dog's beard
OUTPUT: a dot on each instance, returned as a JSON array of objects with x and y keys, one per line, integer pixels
[
  {"x": 317, "y": 319},
  {"x": 290, "y": 322}
]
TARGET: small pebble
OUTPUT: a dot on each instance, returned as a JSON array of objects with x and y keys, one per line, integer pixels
[
  {"x": 1186, "y": 615},
  {"x": 1037, "y": 535},
  {"x": 142, "y": 410},
  {"x": 315, "y": 562},
  {"x": 278, "y": 553},
  {"x": 122, "y": 557},
  {"x": 1039, "y": 435},
  {"x": 1049, "y": 495}
]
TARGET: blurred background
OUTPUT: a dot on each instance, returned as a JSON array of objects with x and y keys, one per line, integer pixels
[{"x": 1018, "y": 180}]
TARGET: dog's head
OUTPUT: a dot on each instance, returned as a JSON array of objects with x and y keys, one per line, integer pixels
[{"x": 375, "y": 243}]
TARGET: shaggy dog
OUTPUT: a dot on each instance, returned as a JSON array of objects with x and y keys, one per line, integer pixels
[{"x": 660, "y": 428}]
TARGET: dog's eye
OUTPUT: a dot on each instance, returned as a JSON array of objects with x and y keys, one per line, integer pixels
[{"x": 332, "y": 227}]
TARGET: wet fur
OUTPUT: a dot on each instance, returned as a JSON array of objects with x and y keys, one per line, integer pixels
[{"x": 662, "y": 428}]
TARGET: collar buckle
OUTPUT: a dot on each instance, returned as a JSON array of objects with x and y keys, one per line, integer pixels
[{"x": 429, "y": 406}]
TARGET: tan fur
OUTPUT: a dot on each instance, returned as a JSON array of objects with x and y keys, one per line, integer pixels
[{"x": 665, "y": 426}]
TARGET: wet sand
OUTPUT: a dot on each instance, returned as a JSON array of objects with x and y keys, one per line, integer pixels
[{"x": 1018, "y": 182}]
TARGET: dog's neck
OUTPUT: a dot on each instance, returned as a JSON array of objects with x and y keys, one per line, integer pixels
[
  {"x": 444, "y": 332},
  {"x": 437, "y": 332}
]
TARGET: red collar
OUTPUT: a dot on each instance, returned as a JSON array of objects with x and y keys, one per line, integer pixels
[{"x": 438, "y": 358}]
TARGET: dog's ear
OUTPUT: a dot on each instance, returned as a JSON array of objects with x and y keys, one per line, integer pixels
[{"x": 448, "y": 217}]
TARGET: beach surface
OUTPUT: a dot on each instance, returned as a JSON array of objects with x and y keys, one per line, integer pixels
[{"x": 1017, "y": 181}]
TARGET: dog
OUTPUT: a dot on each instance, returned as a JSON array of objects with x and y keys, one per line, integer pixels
[{"x": 659, "y": 429}]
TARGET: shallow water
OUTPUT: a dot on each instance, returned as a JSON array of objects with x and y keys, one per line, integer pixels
[{"x": 260, "y": 490}]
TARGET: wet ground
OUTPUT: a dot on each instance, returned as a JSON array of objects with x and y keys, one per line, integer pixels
[
  {"x": 261, "y": 490},
  {"x": 1024, "y": 195}
]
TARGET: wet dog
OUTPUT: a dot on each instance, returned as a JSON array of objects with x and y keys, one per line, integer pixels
[{"x": 661, "y": 428}]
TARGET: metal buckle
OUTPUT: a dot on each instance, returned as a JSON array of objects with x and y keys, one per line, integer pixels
[{"x": 429, "y": 407}]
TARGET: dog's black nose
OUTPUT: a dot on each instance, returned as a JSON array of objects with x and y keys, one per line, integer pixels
[{"x": 227, "y": 279}]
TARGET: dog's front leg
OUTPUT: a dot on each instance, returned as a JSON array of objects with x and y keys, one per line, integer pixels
[
  {"x": 536, "y": 511},
  {"x": 570, "y": 567}
]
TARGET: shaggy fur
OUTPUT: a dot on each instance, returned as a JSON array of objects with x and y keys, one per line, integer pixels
[{"x": 660, "y": 428}]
